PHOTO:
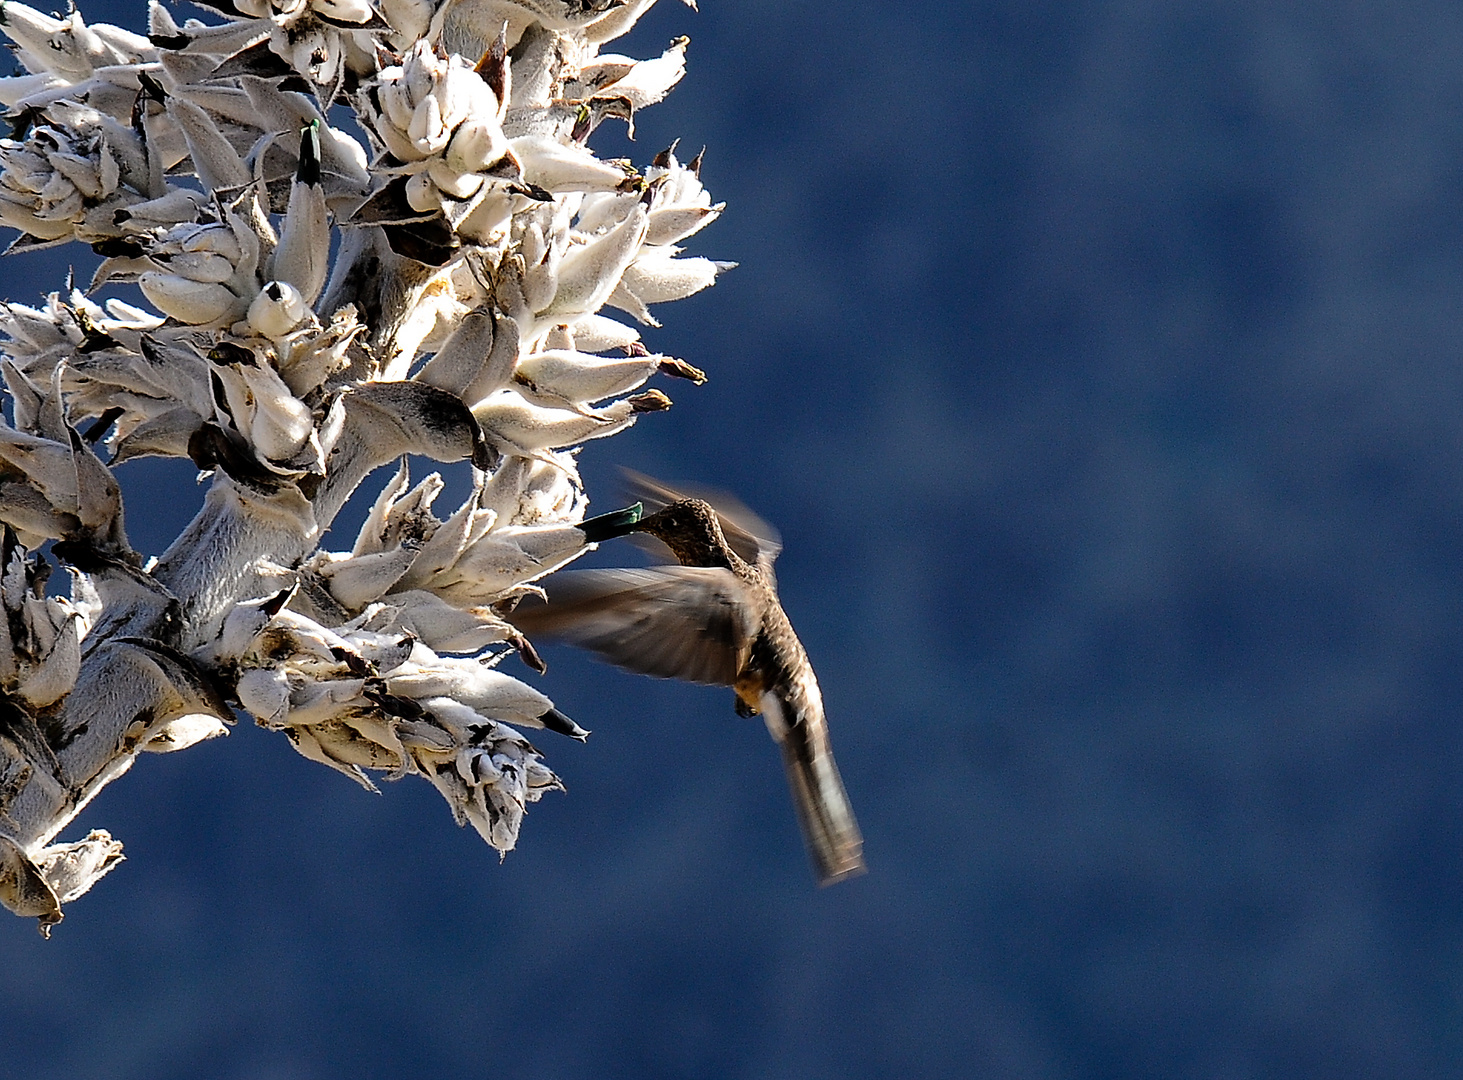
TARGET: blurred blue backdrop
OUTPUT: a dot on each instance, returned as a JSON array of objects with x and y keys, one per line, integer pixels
[{"x": 1100, "y": 363}]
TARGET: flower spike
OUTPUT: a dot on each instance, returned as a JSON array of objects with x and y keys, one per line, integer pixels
[{"x": 320, "y": 300}]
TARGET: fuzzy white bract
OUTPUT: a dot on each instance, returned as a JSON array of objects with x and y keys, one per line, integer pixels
[{"x": 455, "y": 276}]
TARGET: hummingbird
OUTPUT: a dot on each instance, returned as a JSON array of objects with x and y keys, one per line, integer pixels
[{"x": 714, "y": 619}]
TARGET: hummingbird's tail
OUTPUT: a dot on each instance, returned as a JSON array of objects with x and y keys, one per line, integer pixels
[
  {"x": 832, "y": 834},
  {"x": 822, "y": 805}
]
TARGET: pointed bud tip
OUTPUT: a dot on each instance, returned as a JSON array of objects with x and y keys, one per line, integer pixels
[
  {"x": 557, "y": 722},
  {"x": 308, "y": 170},
  {"x": 276, "y": 603},
  {"x": 529, "y": 655},
  {"x": 103, "y": 423},
  {"x": 665, "y": 157},
  {"x": 151, "y": 88},
  {"x": 650, "y": 401},
  {"x": 682, "y": 370},
  {"x": 227, "y": 352}
]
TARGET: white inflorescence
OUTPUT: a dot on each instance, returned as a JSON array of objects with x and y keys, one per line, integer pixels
[{"x": 322, "y": 299}]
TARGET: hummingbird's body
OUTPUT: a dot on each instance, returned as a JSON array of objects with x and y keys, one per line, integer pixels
[{"x": 716, "y": 619}]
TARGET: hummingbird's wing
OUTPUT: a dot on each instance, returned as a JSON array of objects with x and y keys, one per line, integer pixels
[
  {"x": 753, "y": 539},
  {"x": 676, "y": 622}
]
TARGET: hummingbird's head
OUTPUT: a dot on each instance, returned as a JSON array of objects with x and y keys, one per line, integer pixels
[{"x": 691, "y": 529}]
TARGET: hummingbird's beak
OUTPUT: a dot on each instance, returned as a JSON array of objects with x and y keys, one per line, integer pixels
[{"x": 608, "y": 526}]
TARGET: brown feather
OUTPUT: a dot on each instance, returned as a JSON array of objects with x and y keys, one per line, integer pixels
[{"x": 675, "y": 622}]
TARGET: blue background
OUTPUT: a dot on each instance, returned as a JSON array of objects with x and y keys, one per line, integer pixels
[{"x": 1100, "y": 365}]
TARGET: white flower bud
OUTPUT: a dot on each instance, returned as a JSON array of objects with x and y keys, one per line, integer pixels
[
  {"x": 184, "y": 732},
  {"x": 194, "y": 302},
  {"x": 477, "y": 143},
  {"x": 395, "y": 98},
  {"x": 278, "y": 309},
  {"x": 353, "y": 11},
  {"x": 460, "y": 185},
  {"x": 648, "y": 81},
  {"x": 656, "y": 276},
  {"x": 200, "y": 266},
  {"x": 282, "y": 422},
  {"x": 590, "y": 272},
  {"x": 582, "y": 377},
  {"x": 489, "y": 692},
  {"x": 357, "y": 580},
  {"x": 599, "y": 333},
  {"x": 557, "y": 167},
  {"x": 512, "y": 422},
  {"x": 214, "y": 239},
  {"x": 443, "y": 113},
  {"x": 421, "y": 194}
]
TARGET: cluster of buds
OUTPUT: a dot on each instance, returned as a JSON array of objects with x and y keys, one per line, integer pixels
[
  {"x": 79, "y": 174},
  {"x": 356, "y": 698},
  {"x": 42, "y": 634},
  {"x": 442, "y": 121},
  {"x": 205, "y": 274},
  {"x": 52, "y": 485},
  {"x": 447, "y": 581},
  {"x": 68, "y": 58},
  {"x": 317, "y": 307},
  {"x": 308, "y": 34}
]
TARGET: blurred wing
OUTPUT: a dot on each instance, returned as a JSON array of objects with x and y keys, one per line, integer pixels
[
  {"x": 676, "y": 622},
  {"x": 749, "y": 536}
]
